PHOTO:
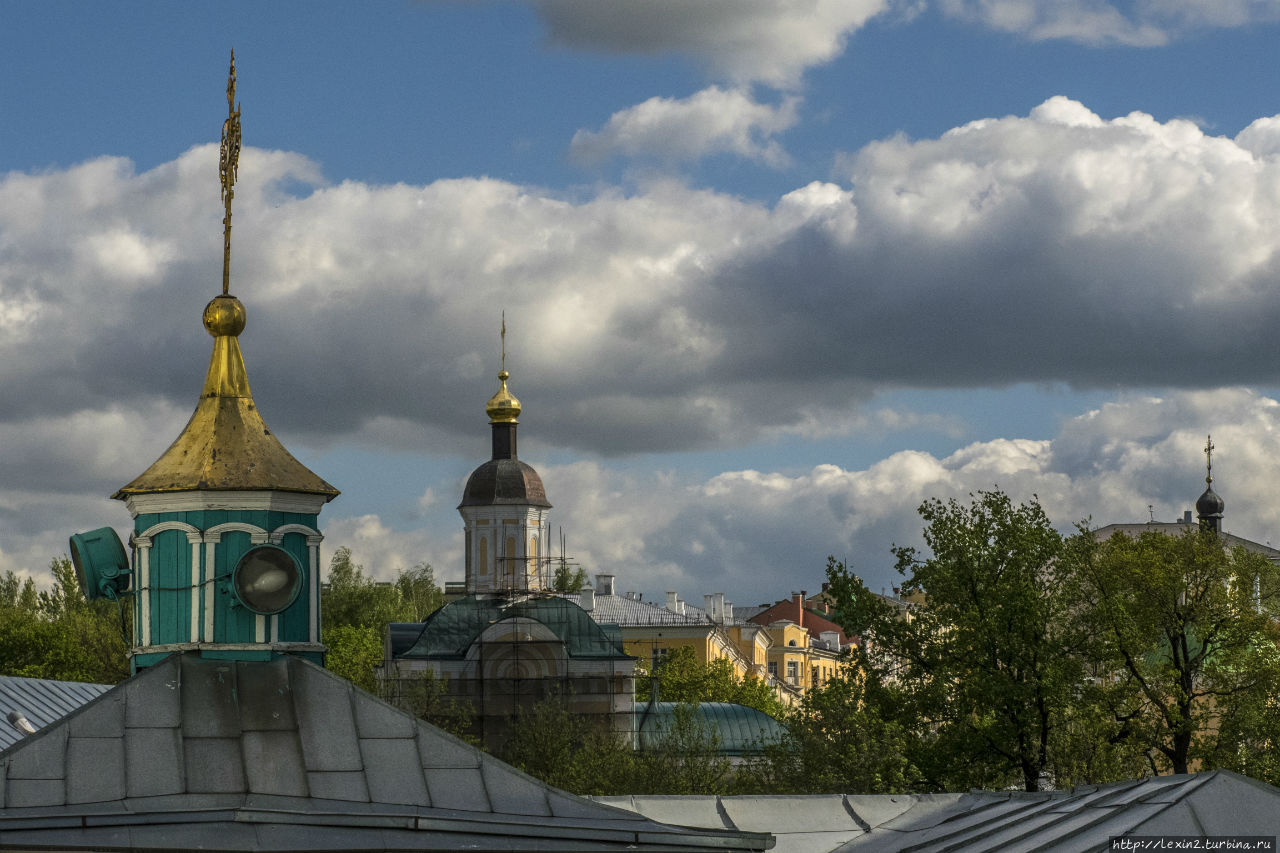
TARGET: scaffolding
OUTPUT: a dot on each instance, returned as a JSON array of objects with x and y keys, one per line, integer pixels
[{"x": 482, "y": 660}]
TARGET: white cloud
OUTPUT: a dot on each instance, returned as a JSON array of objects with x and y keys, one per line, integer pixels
[
  {"x": 1101, "y": 22},
  {"x": 712, "y": 121},
  {"x": 1055, "y": 247},
  {"x": 768, "y": 41},
  {"x": 384, "y": 552},
  {"x": 1261, "y": 137},
  {"x": 758, "y": 535}
]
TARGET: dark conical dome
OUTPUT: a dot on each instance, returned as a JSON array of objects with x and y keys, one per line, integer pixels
[
  {"x": 504, "y": 481},
  {"x": 1210, "y": 504}
]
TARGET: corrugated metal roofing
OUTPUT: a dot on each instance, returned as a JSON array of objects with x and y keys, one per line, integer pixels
[
  {"x": 1214, "y": 804},
  {"x": 283, "y": 755},
  {"x": 40, "y": 700}
]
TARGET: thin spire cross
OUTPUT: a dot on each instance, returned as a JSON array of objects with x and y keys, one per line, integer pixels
[
  {"x": 228, "y": 166},
  {"x": 504, "y": 342},
  {"x": 1208, "y": 456}
]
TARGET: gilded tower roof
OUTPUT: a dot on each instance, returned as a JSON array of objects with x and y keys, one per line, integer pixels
[{"x": 226, "y": 445}]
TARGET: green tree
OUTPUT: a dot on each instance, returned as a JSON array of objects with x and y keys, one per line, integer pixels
[
  {"x": 682, "y": 678},
  {"x": 427, "y": 697},
  {"x": 988, "y": 668},
  {"x": 574, "y": 752},
  {"x": 568, "y": 579},
  {"x": 351, "y": 597},
  {"x": 580, "y": 754},
  {"x": 1186, "y": 644},
  {"x": 57, "y": 634},
  {"x": 842, "y": 738},
  {"x": 355, "y": 610},
  {"x": 355, "y": 651}
]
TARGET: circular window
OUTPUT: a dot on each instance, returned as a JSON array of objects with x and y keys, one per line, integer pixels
[{"x": 267, "y": 579}]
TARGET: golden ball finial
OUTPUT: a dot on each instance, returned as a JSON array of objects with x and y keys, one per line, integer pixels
[
  {"x": 224, "y": 316},
  {"x": 503, "y": 407}
]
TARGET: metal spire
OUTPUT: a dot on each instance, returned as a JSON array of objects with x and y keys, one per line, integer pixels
[
  {"x": 1208, "y": 455},
  {"x": 228, "y": 165}
]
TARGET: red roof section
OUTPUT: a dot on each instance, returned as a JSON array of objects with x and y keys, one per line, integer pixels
[{"x": 812, "y": 620}]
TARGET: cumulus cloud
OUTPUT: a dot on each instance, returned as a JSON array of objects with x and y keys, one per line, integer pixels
[
  {"x": 1101, "y": 22},
  {"x": 384, "y": 552},
  {"x": 712, "y": 121},
  {"x": 757, "y": 535},
  {"x": 768, "y": 41},
  {"x": 1059, "y": 246},
  {"x": 1054, "y": 247}
]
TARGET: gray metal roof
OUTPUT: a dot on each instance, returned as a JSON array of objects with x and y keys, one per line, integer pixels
[
  {"x": 41, "y": 701},
  {"x": 629, "y": 612},
  {"x": 283, "y": 755},
  {"x": 1178, "y": 528},
  {"x": 1217, "y": 803}
]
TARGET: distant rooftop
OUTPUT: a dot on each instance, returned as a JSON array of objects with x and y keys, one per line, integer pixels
[
  {"x": 283, "y": 755},
  {"x": 1218, "y": 803},
  {"x": 41, "y": 701},
  {"x": 1178, "y": 528}
]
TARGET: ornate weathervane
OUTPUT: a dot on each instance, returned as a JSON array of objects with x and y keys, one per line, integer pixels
[
  {"x": 504, "y": 342},
  {"x": 228, "y": 164},
  {"x": 1208, "y": 457}
]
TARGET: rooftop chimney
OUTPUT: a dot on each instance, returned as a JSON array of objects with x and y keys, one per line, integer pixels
[
  {"x": 673, "y": 601},
  {"x": 797, "y": 598},
  {"x": 587, "y": 599},
  {"x": 604, "y": 584}
]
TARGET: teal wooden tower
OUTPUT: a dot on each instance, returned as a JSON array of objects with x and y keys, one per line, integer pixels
[{"x": 226, "y": 538}]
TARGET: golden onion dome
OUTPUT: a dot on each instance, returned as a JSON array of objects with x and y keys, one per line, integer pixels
[{"x": 503, "y": 407}]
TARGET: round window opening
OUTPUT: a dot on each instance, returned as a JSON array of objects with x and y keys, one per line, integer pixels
[{"x": 267, "y": 579}]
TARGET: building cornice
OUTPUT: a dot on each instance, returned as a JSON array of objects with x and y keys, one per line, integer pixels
[{"x": 207, "y": 499}]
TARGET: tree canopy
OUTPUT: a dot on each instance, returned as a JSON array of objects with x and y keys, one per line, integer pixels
[
  {"x": 1051, "y": 660},
  {"x": 57, "y": 634},
  {"x": 987, "y": 667},
  {"x": 355, "y": 610},
  {"x": 1185, "y": 642},
  {"x": 682, "y": 678}
]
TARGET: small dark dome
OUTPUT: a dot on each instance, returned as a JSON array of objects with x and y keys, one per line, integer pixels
[
  {"x": 504, "y": 481},
  {"x": 1210, "y": 504}
]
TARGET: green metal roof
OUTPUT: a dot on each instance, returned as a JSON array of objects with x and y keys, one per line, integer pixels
[
  {"x": 456, "y": 626},
  {"x": 740, "y": 730}
]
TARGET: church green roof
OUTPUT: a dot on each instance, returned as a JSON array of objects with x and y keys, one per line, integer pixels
[{"x": 456, "y": 626}]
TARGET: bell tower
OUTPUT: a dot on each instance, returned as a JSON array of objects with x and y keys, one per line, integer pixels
[
  {"x": 226, "y": 539},
  {"x": 504, "y": 507}
]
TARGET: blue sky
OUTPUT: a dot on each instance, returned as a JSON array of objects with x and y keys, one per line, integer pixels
[{"x": 775, "y": 271}]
